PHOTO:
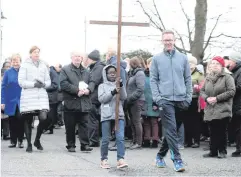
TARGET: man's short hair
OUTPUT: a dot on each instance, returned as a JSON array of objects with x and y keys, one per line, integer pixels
[{"x": 168, "y": 32}]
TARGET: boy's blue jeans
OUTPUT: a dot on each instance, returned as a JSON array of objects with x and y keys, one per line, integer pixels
[{"x": 106, "y": 132}]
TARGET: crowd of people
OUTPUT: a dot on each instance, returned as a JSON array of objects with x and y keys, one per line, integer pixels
[{"x": 168, "y": 99}]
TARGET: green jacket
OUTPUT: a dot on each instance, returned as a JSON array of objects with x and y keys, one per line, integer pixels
[
  {"x": 223, "y": 88},
  {"x": 197, "y": 79}
]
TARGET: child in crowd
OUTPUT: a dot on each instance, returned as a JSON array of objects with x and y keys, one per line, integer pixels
[{"x": 107, "y": 96}]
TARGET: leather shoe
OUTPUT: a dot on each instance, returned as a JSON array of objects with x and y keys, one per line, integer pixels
[
  {"x": 38, "y": 145},
  {"x": 12, "y": 146},
  {"x": 94, "y": 145},
  {"x": 29, "y": 148},
  {"x": 86, "y": 148}
]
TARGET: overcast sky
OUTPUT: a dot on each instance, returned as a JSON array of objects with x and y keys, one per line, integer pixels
[{"x": 58, "y": 26}]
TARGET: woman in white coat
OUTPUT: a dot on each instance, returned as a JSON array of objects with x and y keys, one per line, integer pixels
[{"x": 34, "y": 79}]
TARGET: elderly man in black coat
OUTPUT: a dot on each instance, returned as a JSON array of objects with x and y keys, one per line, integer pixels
[{"x": 74, "y": 80}]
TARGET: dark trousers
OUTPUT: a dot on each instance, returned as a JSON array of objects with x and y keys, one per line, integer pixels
[
  {"x": 151, "y": 128},
  {"x": 5, "y": 127},
  {"x": 172, "y": 118},
  {"x": 204, "y": 128},
  {"x": 52, "y": 116},
  {"x": 231, "y": 131},
  {"x": 28, "y": 119},
  {"x": 236, "y": 120},
  {"x": 16, "y": 125},
  {"x": 135, "y": 116},
  {"x": 93, "y": 124},
  {"x": 218, "y": 136},
  {"x": 60, "y": 113},
  {"x": 192, "y": 123},
  {"x": 72, "y": 119}
]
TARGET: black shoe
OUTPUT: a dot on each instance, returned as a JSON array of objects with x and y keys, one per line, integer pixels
[
  {"x": 20, "y": 145},
  {"x": 86, "y": 148},
  {"x": 146, "y": 144},
  {"x": 38, "y": 145},
  {"x": 29, "y": 148},
  {"x": 6, "y": 137},
  {"x": 12, "y": 146},
  {"x": 72, "y": 149},
  {"x": 209, "y": 155},
  {"x": 187, "y": 145},
  {"x": 195, "y": 145},
  {"x": 236, "y": 154},
  {"x": 154, "y": 144},
  {"x": 94, "y": 145},
  {"x": 222, "y": 155}
]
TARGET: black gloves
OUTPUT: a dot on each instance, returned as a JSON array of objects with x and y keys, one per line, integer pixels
[
  {"x": 113, "y": 92},
  {"x": 38, "y": 84},
  {"x": 121, "y": 84}
]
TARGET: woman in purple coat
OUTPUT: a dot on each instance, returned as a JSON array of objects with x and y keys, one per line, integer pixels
[{"x": 10, "y": 99}]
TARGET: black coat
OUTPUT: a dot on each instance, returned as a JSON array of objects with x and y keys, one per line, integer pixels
[
  {"x": 95, "y": 80},
  {"x": 52, "y": 90},
  {"x": 237, "y": 98},
  {"x": 70, "y": 76}
]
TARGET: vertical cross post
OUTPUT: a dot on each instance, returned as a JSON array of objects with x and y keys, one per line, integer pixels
[{"x": 118, "y": 64}]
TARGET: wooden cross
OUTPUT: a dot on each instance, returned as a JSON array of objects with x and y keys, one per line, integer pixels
[{"x": 120, "y": 24}]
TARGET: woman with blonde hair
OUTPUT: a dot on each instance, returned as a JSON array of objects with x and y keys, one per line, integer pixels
[
  {"x": 34, "y": 78},
  {"x": 10, "y": 102},
  {"x": 192, "y": 120}
]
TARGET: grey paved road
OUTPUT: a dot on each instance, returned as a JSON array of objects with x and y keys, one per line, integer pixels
[{"x": 56, "y": 161}]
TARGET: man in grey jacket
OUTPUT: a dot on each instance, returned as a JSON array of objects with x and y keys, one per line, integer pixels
[{"x": 172, "y": 90}]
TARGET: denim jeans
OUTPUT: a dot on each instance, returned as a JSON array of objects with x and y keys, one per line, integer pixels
[
  {"x": 181, "y": 135},
  {"x": 106, "y": 132},
  {"x": 171, "y": 121}
]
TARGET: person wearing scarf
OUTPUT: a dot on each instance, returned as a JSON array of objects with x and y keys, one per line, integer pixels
[{"x": 218, "y": 92}]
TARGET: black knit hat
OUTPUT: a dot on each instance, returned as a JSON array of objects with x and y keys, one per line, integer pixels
[{"x": 94, "y": 55}]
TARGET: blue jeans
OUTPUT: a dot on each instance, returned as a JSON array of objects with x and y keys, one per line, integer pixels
[{"x": 106, "y": 132}]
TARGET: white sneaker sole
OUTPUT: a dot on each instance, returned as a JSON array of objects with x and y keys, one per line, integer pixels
[
  {"x": 122, "y": 166},
  {"x": 104, "y": 167},
  {"x": 180, "y": 170}
]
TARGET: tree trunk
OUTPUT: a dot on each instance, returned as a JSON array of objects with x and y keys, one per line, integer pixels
[{"x": 200, "y": 29}]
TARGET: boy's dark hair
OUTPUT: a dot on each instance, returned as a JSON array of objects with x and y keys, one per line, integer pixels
[{"x": 108, "y": 67}]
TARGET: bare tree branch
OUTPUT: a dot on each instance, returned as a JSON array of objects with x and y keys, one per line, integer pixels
[
  {"x": 188, "y": 25},
  {"x": 158, "y": 14},
  {"x": 225, "y": 35},
  {"x": 210, "y": 35},
  {"x": 155, "y": 24},
  {"x": 182, "y": 42}
]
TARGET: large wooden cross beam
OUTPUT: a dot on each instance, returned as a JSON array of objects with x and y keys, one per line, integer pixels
[{"x": 120, "y": 24}]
